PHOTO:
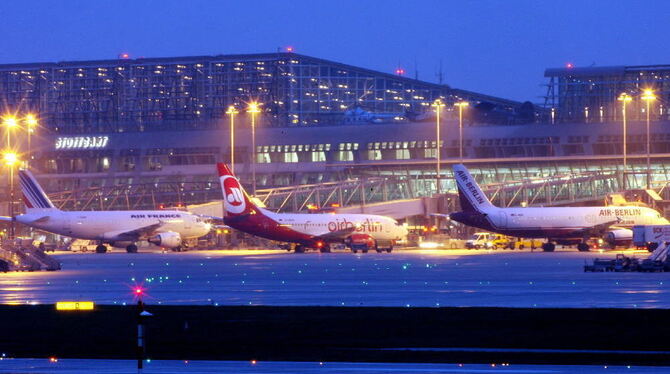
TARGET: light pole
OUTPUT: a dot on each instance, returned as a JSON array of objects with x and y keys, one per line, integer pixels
[
  {"x": 31, "y": 124},
  {"x": 253, "y": 109},
  {"x": 648, "y": 96},
  {"x": 460, "y": 105},
  {"x": 625, "y": 99},
  {"x": 11, "y": 159},
  {"x": 438, "y": 105},
  {"x": 232, "y": 112},
  {"x": 10, "y": 124}
]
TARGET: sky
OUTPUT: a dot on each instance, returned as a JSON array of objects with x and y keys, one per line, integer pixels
[{"x": 499, "y": 48}]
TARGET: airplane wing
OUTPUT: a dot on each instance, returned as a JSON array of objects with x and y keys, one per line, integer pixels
[
  {"x": 135, "y": 234},
  {"x": 600, "y": 229},
  {"x": 336, "y": 235}
]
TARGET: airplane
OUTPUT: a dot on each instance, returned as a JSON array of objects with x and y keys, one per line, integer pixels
[
  {"x": 562, "y": 225},
  {"x": 164, "y": 228},
  {"x": 305, "y": 231}
]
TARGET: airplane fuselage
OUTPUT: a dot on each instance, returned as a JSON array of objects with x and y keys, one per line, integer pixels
[
  {"x": 107, "y": 226},
  {"x": 557, "y": 222},
  {"x": 303, "y": 228}
]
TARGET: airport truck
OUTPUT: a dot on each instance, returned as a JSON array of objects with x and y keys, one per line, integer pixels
[{"x": 651, "y": 236}]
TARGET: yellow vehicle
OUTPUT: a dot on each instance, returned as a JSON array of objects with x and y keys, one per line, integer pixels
[{"x": 487, "y": 240}]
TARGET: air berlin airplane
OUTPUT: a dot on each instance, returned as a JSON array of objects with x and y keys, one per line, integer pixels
[{"x": 315, "y": 231}]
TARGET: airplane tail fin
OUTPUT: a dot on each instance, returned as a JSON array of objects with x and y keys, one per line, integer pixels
[
  {"x": 33, "y": 195},
  {"x": 472, "y": 197},
  {"x": 235, "y": 200}
]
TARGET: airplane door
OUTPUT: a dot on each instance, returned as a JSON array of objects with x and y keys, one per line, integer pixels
[
  {"x": 65, "y": 220},
  {"x": 502, "y": 219}
]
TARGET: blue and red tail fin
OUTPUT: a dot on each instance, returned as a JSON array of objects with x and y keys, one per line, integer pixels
[
  {"x": 235, "y": 200},
  {"x": 33, "y": 194},
  {"x": 472, "y": 197}
]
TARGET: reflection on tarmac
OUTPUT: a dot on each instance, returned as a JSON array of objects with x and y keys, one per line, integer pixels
[
  {"x": 428, "y": 278},
  {"x": 168, "y": 367}
]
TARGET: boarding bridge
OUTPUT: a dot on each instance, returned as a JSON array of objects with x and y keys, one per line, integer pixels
[{"x": 373, "y": 192}]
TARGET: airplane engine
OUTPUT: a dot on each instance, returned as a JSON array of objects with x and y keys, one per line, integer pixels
[
  {"x": 619, "y": 237},
  {"x": 166, "y": 240}
]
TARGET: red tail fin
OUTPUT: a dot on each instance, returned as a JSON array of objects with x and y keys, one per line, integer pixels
[{"x": 235, "y": 199}]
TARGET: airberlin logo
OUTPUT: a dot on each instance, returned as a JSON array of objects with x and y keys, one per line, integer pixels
[
  {"x": 471, "y": 187},
  {"x": 233, "y": 196}
]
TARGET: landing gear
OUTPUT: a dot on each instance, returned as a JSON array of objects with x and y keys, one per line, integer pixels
[
  {"x": 131, "y": 248},
  {"x": 389, "y": 249},
  {"x": 299, "y": 249},
  {"x": 583, "y": 247},
  {"x": 100, "y": 249},
  {"x": 548, "y": 247},
  {"x": 325, "y": 249}
]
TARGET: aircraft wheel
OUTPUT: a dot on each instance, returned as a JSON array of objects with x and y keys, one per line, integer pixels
[
  {"x": 548, "y": 247},
  {"x": 100, "y": 249},
  {"x": 299, "y": 249},
  {"x": 325, "y": 249},
  {"x": 354, "y": 250},
  {"x": 389, "y": 249},
  {"x": 365, "y": 251},
  {"x": 131, "y": 248},
  {"x": 583, "y": 247}
]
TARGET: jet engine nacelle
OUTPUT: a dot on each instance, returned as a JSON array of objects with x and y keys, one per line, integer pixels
[
  {"x": 619, "y": 237},
  {"x": 166, "y": 240}
]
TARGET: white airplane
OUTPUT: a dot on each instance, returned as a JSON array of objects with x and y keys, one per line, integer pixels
[
  {"x": 316, "y": 231},
  {"x": 164, "y": 228},
  {"x": 563, "y": 225}
]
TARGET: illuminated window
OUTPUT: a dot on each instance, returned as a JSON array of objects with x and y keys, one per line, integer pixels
[
  {"x": 345, "y": 156},
  {"x": 318, "y": 156},
  {"x": 374, "y": 154},
  {"x": 263, "y": 158},
  {"x": 290, "y": 157},
  {"x": 402, "y": 154},
  {"x": 429, "y": 153}
]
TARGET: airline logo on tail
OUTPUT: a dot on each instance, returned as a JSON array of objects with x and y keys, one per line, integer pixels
[
  {"x": 233, "y": 194},
  {"x": 471, "y": 196},
  {"x": 33, "y": 195}
]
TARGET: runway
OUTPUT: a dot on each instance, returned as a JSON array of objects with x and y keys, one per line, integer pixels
[
  {"x": 427, "y": 278},
  {"x": 167, "y": 367}
]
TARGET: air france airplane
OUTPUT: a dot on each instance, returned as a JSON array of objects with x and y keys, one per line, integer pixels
[
  {"x": 316, "y": 231},
  {"x": 164, "y": 228},
  {"x": 560, "y": 224}
]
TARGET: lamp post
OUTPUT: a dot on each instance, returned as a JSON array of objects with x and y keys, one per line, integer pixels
[
  {"x": 232, "y": 112},
  {"x": 625, "y": 99},
  {"x": 10, "y": 123},
  {"x": 648, "y": 96},
  {"x": 438, "y": 105},
  {"x": 253, "y": 109},
  {"x": 460, "y": 105},
  {"x": 11, "y": 159},
  {"x": 31, "y": 124}
]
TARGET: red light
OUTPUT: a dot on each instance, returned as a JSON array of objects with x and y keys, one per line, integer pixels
[
  {"x": 319, "y": 244},
  {"x": 124, "y": 56},
  {"x": 53, "y": 359},
  {"x": 400, "y": 71},
  {"x": 289, "y": 49},
  {"x": 569, "y": 65}
]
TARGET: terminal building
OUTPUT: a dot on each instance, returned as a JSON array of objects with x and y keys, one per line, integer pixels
[{"x": 144, "y": 133}]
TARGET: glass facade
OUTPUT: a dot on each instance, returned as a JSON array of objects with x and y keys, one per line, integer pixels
[{"x": 183, "y": 93}]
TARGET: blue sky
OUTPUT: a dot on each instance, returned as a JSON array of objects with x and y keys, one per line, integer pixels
[{"x": 495, "y": 47}]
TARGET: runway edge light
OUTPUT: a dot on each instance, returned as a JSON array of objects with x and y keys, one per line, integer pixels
[{"x": 75, "y": 305}]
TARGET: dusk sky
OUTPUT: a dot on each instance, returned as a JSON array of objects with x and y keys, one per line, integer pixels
[{"x": 495, "y": 47}]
